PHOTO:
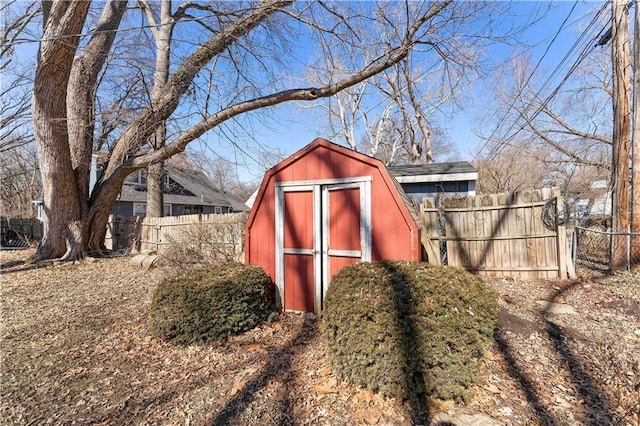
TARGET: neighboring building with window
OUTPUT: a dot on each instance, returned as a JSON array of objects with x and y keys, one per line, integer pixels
[
  {"x": 455, "y": 179},
  {"x": 186, "y": 191}
]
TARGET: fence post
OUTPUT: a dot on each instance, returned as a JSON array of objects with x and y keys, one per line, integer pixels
[
  {"x": 561, "y": 229},
  {"x": 156, "y": 228}
]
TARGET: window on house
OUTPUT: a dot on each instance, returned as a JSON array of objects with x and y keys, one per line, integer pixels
[
  {"x": 192, "y": 209},
  {"x": 139, "y": 209},
  {"x": 217, "y": 210},
  {"x": 167, "y": 210}
]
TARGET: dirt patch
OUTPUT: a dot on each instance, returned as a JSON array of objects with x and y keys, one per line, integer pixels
[
  {"x": 75, "y": 347},
  {"x": 508, "y": 322}
]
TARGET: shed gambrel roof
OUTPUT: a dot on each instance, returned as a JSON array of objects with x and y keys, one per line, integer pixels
[
  {"x": 388, "y": 177},
  {"x": 434, "y": 172}
]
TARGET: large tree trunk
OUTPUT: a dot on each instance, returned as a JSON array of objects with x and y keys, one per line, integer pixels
[
  {"x": 155, "y": 173},
  {"x": 81, "y": 95},
  {"x": 63, "y": 114},
  {"x": 62, "y": 225},
  {"x": 102, "y": 200}
]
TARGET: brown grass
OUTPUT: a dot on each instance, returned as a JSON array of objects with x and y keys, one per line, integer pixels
[{"x": 75, "y": 347}]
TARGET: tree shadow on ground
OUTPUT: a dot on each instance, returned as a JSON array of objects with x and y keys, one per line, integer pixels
[
  {"x": 279, "y": 364},
  {"x": 520, "y": 375},
  {"x": 593, "y": 399},
  {"x": 592, "y": 396}
]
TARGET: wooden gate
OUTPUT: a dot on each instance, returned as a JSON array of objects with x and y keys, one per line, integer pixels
[
  {"x": 500, "y": 234},
  {"x": 320, "y": 228}
]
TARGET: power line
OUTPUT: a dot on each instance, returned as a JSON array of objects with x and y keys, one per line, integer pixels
[
  {"x": 513, "y": 102},
  {"x": 556, "y": 35},
  {"x": 584, "y": 52}
]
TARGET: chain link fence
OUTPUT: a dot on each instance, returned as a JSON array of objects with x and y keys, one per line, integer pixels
[
  {"x": 599, "y": 254},
  {"x": 598, "y": 250}
]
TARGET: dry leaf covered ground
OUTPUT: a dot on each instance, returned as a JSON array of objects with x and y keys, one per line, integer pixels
[{"x": 75, "y": 348}]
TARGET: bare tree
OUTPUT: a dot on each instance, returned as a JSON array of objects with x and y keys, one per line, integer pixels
[
  {"x": 19, "y": 175},
  {"x": 397, "y": 115},
  {"x": 71, "y": 230},
  {"x": 16, "y": 17},
  {"x": 19, "y": 181},
  {"x": 397, "y": 128},
  {"x": 16, "y": 81},
  {"x": 162, "y": 26},
  {"x": 515, "y": 168},
  {"x": 564, "y": 140}
]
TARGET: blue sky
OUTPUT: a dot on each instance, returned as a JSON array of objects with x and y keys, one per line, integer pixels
[{"x": 293, "y": 127}]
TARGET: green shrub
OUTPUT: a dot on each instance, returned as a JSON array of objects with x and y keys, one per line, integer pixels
[
  {"x": 207, "y": 304},
  {"x": 408, "y": 329}
]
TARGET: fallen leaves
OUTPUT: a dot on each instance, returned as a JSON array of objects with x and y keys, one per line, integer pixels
[
  {"x": 237, "y": 387},
  {"x": 76, "y": 348},
  {"x": 327, "y": 387},
  {"x": 370, "y": 415}
]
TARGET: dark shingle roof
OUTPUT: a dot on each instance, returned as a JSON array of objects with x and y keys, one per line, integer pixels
[
  {"x": 194, "y": 181},
  {"x": 432, "y": 169},
  {"x": 198, "y": 183}
]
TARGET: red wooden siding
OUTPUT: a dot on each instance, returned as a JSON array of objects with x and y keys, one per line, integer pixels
[
  {"x": 299, "y": 289},
  {"x": 394, "y": 232},
  {"x": 298, "y": 235},
  {"x": 344, "y": 219},
  {"x": 298, "y": 231}
]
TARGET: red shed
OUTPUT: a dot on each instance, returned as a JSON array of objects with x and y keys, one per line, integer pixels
[{"x": 321, "y": 209}]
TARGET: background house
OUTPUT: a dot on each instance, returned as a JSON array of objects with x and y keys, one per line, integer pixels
[
  {"x": 186, "y": 191},
  {"x": 455, "y": 179},
  {"x": 597, "y": 203}
]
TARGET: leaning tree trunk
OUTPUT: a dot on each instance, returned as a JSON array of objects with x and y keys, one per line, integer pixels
[
  {"x": 102, "y": 200},
  {"x": 62, "y": 225},
  {"x": 83, "y": 81}
]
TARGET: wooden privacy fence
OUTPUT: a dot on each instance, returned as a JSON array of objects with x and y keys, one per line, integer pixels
[
  {"x": 220, "y": 235},
  {"x": 521, "y": 235}
]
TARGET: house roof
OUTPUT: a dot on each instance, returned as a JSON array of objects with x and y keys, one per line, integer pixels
[
  {"x": 194, "y": 181},
  {"x": 198, "y": 183},
  {"x": 434, "y": 172}
]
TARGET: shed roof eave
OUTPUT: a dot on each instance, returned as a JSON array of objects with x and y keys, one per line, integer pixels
[{"x": 449, "y": 177}]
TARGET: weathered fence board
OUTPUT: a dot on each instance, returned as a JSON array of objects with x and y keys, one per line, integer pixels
[
  {"x": 219, "y": 232},
  {"x": 497, "y": 234}
]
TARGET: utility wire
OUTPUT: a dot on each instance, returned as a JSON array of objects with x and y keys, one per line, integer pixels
[
  {"x": 521, "y": 114},
  {"x": 424, "y": 73},
  {"x": 515, "y": 98}
]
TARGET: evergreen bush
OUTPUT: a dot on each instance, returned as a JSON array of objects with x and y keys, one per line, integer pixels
[
  {"x": 207, "y": 304},
  {"x": 408, "y": 330}
]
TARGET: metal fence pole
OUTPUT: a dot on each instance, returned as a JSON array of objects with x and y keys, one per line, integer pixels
[{"x": 157, "y": 238}]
